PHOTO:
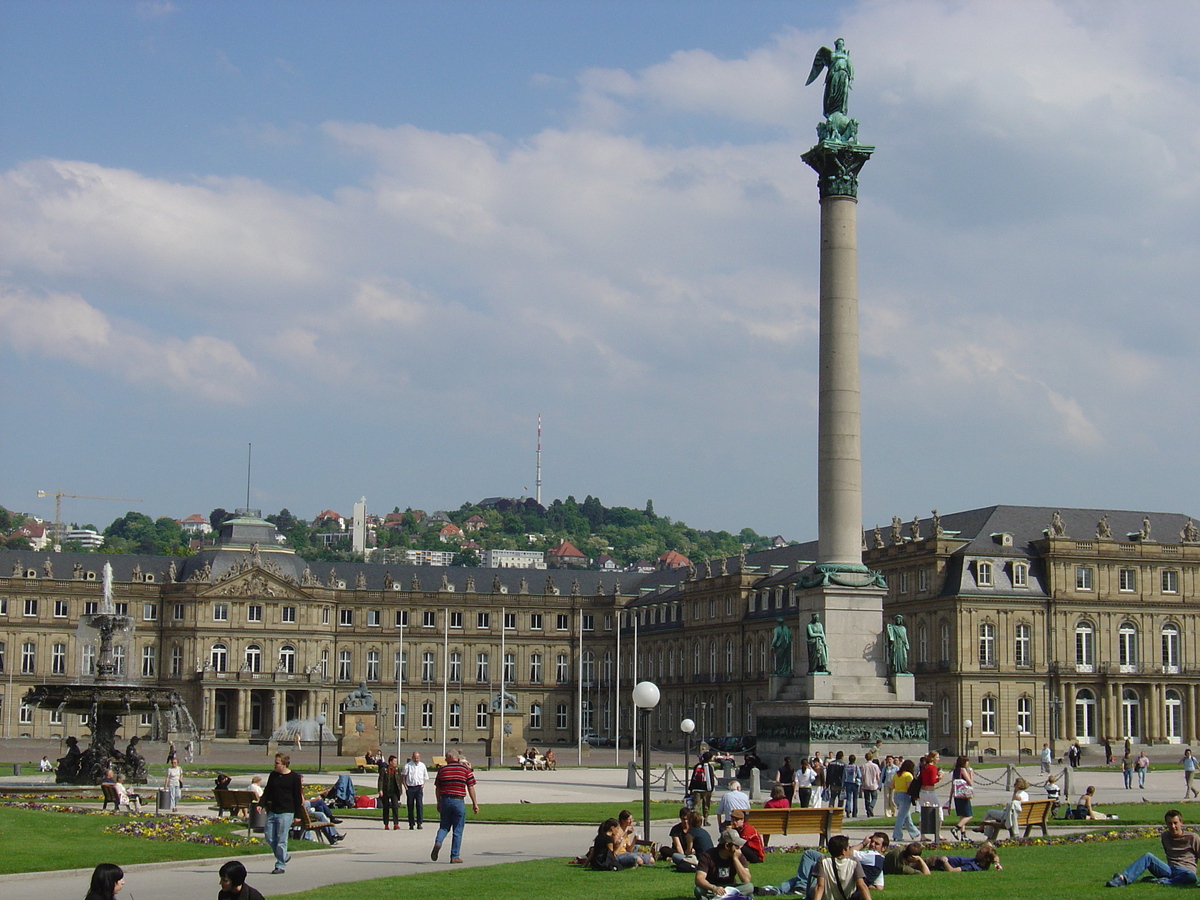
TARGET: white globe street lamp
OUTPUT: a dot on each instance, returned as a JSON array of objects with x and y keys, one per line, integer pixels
[
  {"x": 967, "y": 723},
  {"x": 645, "y": 698},
  {"x": 687, "y": 726}
]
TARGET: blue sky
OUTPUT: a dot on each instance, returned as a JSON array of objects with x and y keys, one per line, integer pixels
[{"x": 376, "y": 239}]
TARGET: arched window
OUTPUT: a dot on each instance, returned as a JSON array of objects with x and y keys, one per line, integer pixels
[
  {"x": 535, "y": 716},
  {"x": 1173, "y": 719},
  {"x": 945, "y": 715},
  {"x": 345, "y": 661},
  {"x": 218, "y": 657},
  {"x": 1170, "y": 648},
  {"x": 987, "y": 644},
  {"x": 712, "y": 657},
  {"x": 454, "y": 667},
  {"x": 372, "y": 665},
  {"x": 1085, "y": 653},
  {"x": 287, "y": 659},
  {"x": 1023, "y": 645},
  {"x": 1024, "y": 714},
  {"x": 426, "y": 714},
  {"x": 1127, "y": 647},
  {"x": 985, "y": 574},
  {"x": 454, "y": 715},
  {"x": 254, "y": 658},
  {"x": 1085, "y": 716},
  {"x": 729, "y": 661},
  {"x": 923, "y": 643},
  {"x": 1131, "y": 714},
  {"x": 589, "y": 668},
  {"x": 987, "y": 715},
  {"x": 945, "y": 641}
]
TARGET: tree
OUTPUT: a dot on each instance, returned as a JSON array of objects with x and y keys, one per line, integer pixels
[
  {"x": 217, "y": 517},
  {"x": 650, "y": 510},
  {"x": 465, "y": 558},
  {"x": 284, "y": 521}
]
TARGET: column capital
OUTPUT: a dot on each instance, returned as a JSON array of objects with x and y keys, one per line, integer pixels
[{"x": 837, "y": 166}]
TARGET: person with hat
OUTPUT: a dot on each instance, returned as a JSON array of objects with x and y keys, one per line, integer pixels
[{"x": 723, "y": 867}]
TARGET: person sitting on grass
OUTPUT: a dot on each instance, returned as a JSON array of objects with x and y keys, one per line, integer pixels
[
  {"x": 723, "y": 867},
  {"x": 607, "y": 855},
  {"x": 985, "y": 857},
  {"x": 688, "y": 840},
  {"x": 233, "y": 883},
  {"x": 840, "y": 875},
  {"x": 1085, "y": 808},
  {"x": 1181, "y": 849},
  {"x": 755, "y": 850},
  {"x": 630, "y": 839},
  {"x": 905, "y": 859}
]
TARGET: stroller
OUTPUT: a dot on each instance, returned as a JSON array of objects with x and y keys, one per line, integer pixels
[{"x": 341, "y": 795}]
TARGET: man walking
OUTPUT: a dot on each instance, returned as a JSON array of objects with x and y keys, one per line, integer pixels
[
  {"x": 283, "y": 800},
  {"x": 1189, "y": 774},
  {"x": 414, "y": 774},
  {"x": 453, "y": 782}
]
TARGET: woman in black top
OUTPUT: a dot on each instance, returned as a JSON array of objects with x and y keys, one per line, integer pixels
[
  {"x": 107, "y": 881},
  {"x": 786, "y": 779}
]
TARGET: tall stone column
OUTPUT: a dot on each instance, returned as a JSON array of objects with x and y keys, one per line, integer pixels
[{"x": 854, "y": 690}]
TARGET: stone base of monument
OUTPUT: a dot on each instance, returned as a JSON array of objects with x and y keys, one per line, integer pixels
[
  {"x": 854, "y": 707},
  {"x": 360, "y": 734},
  {"x": 507, "y": 741}
]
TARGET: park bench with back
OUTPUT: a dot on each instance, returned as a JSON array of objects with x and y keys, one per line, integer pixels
[
  {"x": 1033, "y": 813},
  {"x": 822, "y": 821},
  {"x": 236, "y": 803}
]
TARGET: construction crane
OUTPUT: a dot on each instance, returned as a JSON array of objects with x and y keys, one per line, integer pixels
[{"x": 58, "y": 498}]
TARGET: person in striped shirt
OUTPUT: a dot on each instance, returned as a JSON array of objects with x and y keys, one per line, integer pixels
[{"x": 453, "y": 783}]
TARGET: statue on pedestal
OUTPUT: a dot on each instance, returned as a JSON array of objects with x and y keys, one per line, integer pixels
[
  {"x": 360, "y": 698},
  {"x": 818, "y": 649},
  {"x": 781, "y": 644},
  {"x": 897, "y": 637}
]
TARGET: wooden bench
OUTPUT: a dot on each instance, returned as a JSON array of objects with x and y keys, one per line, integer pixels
[
  {"x": 236, "y": 803},
  {"x": 1033, "y": 812},
  {"x": 436, "y": 763},
  {"x": 109, "y": 792},
  {"x": 823, "y": 821},
  {"x": 360, "y": 763},
  {"x": 303, "y": 823}
]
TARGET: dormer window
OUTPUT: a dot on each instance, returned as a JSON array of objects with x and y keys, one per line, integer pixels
[
  {"x": 983, "y": 574},
  {"x": 1020, "y": 577}
]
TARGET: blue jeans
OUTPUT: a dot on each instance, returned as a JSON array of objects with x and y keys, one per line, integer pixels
[
  {"x": 1127, "y": 774},
  {"x": 453, "y": 817},
  {"x": 1162, "y": 873},
  {"x": 850, "y": 791},
  {"x": 809, "y": 860},
  {"x": 275, "y": 833},
  {"x": 1141, "y": 776},
  {"x": 904, "y": 822},
  {"x": 869, "y": 798}
]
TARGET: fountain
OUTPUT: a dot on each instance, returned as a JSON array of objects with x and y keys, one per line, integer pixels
[{"x": 110, "y": 697}]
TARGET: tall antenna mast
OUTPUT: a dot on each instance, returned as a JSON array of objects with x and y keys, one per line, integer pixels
[
  {"x": 538, "y": 496},
  {"x": 249, "y": 456}
]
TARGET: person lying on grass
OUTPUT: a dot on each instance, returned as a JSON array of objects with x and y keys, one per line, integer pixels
[
  {"x": 985, "y": 857},
  {"x": 1181, "y": 849},
  {"x": 905, "y": 859}
]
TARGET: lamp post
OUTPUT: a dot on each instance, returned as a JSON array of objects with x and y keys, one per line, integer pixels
[
  {"x": 967, "y": 723},
  {"x": 645, "y": 698},
  {"x": 687, "y": 726},
  {"x": 320, "y": 742}
]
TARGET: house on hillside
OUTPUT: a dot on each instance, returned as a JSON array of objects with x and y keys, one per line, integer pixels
[
  {"x": 36, "y": 533},
  {"x": 195, "y": 524},
  {"x": 330, "y": 516},
  {"x": 673, "y": 559},
  {"x": 450, "y": 532},
  {"x": 475, "y": 523},
  {"x": 565, "y": 554}
]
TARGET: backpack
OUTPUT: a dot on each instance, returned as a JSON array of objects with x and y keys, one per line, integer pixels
[{"x": 699, "y": 778}]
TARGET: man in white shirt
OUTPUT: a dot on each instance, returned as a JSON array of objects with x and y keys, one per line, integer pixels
[
  {"x": 735, "y": 798},
  {"x": 414, "y": 775},
  {"x": 871, "y": 777}
]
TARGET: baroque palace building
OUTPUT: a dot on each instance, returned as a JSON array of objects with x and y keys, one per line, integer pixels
[{"x": 1035, "y": 624}]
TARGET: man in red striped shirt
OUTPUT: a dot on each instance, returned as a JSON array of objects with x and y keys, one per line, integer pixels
[{"x": 454, "y": 781}]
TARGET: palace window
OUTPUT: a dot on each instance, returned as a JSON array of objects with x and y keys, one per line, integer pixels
[
  {"x": 402, "y": 618},
  {"x": 31, "y": 606},
  {"x": 344, "y": 665},
  {"x": 1023, "y": 645},
  {"x": 1085, "y": 636},
  {"x": 987, "y": 644},
  {"x": 254, "y": 613},
  {"x": 427, "y": 667},
  {"x": 60, "y": 609},
  {"x": 1170, "y": 581},
  {"x": 1170, "y": 648},
  {"x": 372, "y": 665},
  {"x": 510, "y": 668},
  {"x": 1020, "y": 575},
  {"x": 373, "y": 618},
  {"x": 1083, "y": 578},
  {"x": 220, "y": 612},
  {"x": 535, "y": 716},
  {"x": 287, "y": 659},
  {"x": 987, "y": 715},
  {"x": 481, "y": 715},
  {"x": 562, "y": 622},
  {"x": 1127, "y": 651},
  {"x": 482, "y": 670},
  {"x": 985, "y": 574},
  {"x": 456, "y": 619},
  {"x": 560, "y": 717},
  {"x": 562, "y": 668},
  {"x": 535, "y": 668},
  {"x": 58, "y": 659},
  {"x": 254, "y": 658},
  {"x": 483, "y": 620},
  {"x": 429, "y": 619},
  {"x": 454, "y": 669},
  {"x": 345, "y": 617},
  {"x": 1127, "y": 580},
  {"x": 535, "y": 621},
  {"x": 454, "y": 715},
  {"x": 218, "y": 657},
  {"x": 426, "y": 714},
  {"x": 287, "y": 615},
  {"x": 1024, "y": 715}
]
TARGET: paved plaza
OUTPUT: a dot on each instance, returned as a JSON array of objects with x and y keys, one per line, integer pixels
[{"x": 371, "y": 852}]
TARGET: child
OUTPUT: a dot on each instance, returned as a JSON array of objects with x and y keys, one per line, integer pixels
[
  {"x": 1053, "y": 793},
  {"x": 985, "y": 857}
]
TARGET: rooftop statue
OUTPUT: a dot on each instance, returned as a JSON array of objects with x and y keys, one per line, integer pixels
[{"x": 839, "y": 76}]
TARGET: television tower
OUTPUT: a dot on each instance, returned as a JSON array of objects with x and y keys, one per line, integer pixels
[{"x": 538, "y": 483}]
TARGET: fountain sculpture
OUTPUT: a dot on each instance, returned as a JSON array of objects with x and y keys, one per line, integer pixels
[{"x": 109, "y": 698}]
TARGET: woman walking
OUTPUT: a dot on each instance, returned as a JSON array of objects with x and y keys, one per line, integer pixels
[
  {"x": 390, "y": 790},
  {"x": 900, "y": 784},
  {"x": 805, "y": 779},
  {"x": 962, "y": 789},
  {"x": 173, "y": 783}
]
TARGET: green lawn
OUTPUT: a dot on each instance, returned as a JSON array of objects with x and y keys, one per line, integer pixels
[
  {"x": 1030, "y": 873},
  {"x": 43, "y": 840}
]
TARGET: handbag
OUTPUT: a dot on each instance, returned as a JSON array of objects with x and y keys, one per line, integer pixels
[{"x": 962, "y": 789}]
